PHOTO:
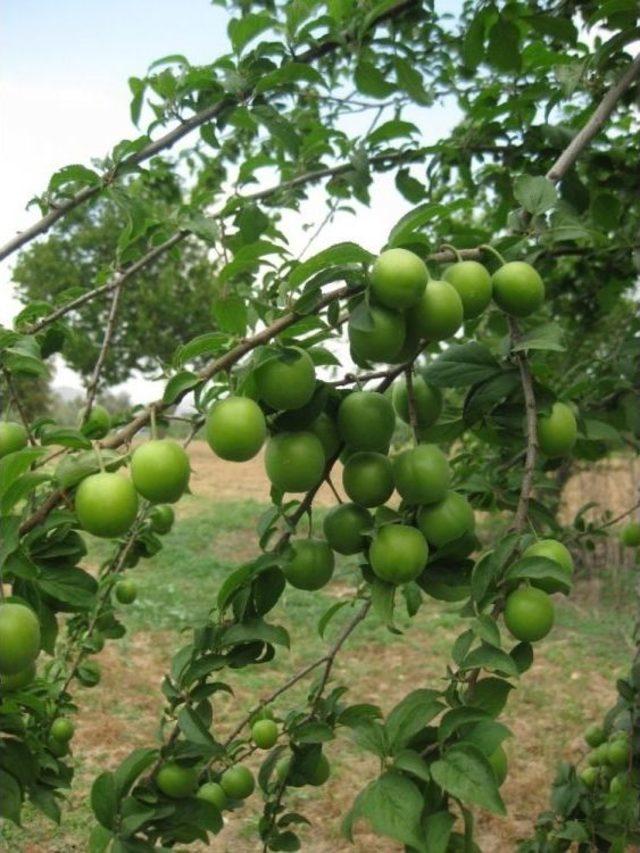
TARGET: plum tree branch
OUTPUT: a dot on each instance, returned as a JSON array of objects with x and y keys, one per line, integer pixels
[
  {"x": 169, "y": 139},
  {"x": 596, "y": 121}
]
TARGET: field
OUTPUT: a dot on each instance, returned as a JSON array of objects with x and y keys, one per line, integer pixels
[{"x": 569, "y": 686}]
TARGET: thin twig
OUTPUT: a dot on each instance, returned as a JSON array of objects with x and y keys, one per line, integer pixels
[
  {"x": 411, "y": 401},
  {"x": 620, "y": 517},
  {"x": 531, "y": 454},
  {"x": 102, "y": 355},
  {"x": 348, "y": 629},
  {"x": 336, "y": 495},
  {"x": 15, "y": 398}
]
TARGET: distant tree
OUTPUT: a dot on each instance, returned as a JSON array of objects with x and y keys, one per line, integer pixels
[{"x": 171, "y": 303}]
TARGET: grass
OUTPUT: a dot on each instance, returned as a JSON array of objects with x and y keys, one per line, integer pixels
[{"x": 570, "y": 685}]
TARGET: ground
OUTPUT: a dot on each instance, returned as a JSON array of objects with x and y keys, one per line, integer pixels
[{"x": 570, "y": 685}]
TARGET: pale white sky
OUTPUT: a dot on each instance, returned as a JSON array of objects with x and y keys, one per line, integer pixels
[{"x": 64, "y": 99}]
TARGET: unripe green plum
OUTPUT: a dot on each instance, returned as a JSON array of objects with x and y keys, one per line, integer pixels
[
  {"x": 398, "y": 279},
  {"x": 177, "y": 781},
  {"x": 368, "y": 478},
  {"x": 98, "y": 423},
  {"x": 428, "y": 401},
  {"x": 17, "y": 680},
  {"x": 630, "y": 535},
  {"x": 19, "y": 637},
  {"x": 264, "y": 734},
  {"x": 325, "y": 428},
  {"x": 13, "y": 437},
  {"x": 366, "y": 421},
  {"x": 106, "y": 504},
  {"x": 161, "y": 519},
  {"x": 398, "y": 553},
  {"x": 236, "y": 429},
  {"x": 310, "y": 565},
  {"x": 160, "y": 470},
  {"x": 294, "y": 461},
  {"x": 288, "y": 380},
  {"x": 382, "y": 340},
  {"x": 439, "y": 313},
  {"x": 552, "y": 550},
  {"x": 529, "y": 614},
  {"x": 345, "y": 526},
  {"x": 557, "y": 431},
  {"x": 62, "y": 729},
  {"x": 589, "y": 777},
  {"x": 211, "y": 792},
  {"x": 594, "y": 736},
  {"x": 237, "y": 782},
  {"x": 517, "y": 288},
  {"x": 473, "y": 283},
  {"x": 126, "y": 591},
  {"x": 447, "y": 520},
  {"x": 422, "y": 474}
]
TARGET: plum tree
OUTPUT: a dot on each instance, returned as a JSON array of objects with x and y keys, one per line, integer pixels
[{"x": 265, "y": 362}]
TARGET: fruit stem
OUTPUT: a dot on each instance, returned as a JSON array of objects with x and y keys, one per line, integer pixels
[
  {"x": 152, "y": 418},
  {"x": 453, "y": 251},
  {"x": 96, "y": 447},
  {"x": 411, "y": 401},
  {"x": 487, "y": 248}
]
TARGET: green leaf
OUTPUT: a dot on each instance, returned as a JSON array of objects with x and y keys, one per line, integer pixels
[
  {"x": 462, "y": 364},
  {"x": 130, "y": 769},
  {"x": 312, "y": 732},
  {"x": 503, "y": 51},
  {"x": 104, "y": 799},
  {"x": 22, "y": 487},
  {"x": 392, "y": 130},
  {"x": 245, "y": 29},
  {"x": 473, "y": 44},
  {"x": 340, "y": 253},
  {"x": 371, "y": 81},
  {"x": 595, "y": 430},
  {"x": 539, "y": 568},
  {"x": 410, "y": 715},
  {"x": 255, "y": 629},
  {"x": 73, "y": 174},
  {"x": 178, "y": 386},
  {"x": 391, "y": 805},
  {"x": 210, "y": 343},
  {"x": 292, "y": 72},
  {"x": 411, "y": 188},
  {"x": 490, "y": 658},
  {"x": 465, "y": 773},
  {"x": 231, "y": 314},
  {"x": 413, "y": 221},
  {"x": 202, "y": 226},
  {"x": 411, "y": 82},
  {"x": 412, "y": 762},
  {"x": 328, "y": 615},
  {"x": 383, "y": 601},
  {"x": 69, "y": 584},
  {"x": 11, "y": 798},
  {"x": 15, "y": 464},
  {"x": 486, "y": 628},
  {"x": 490, "y": 694},
  {"x": 457, "y": 717},
  {"x": 536, "y": 193},
  {"x": 485, "y": 396},
  {"x": 437, "y": 831},
  {"x": 486, "y": 735},
  {"x": 545, "y": 337},
  {"x": 64, "y": 436},
  {"x": 196, "y": 732}
]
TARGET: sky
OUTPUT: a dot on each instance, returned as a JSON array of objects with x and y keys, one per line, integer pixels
[{"x": 64, "y": 99}]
